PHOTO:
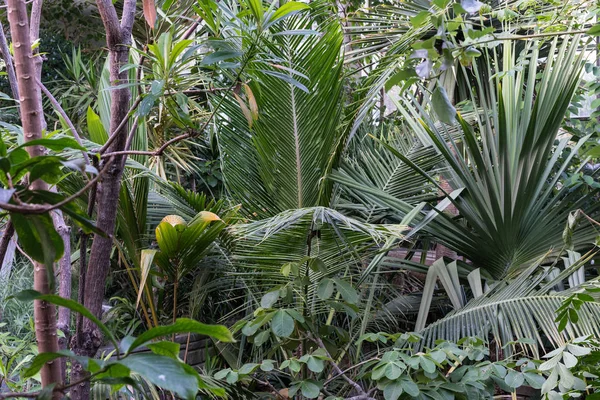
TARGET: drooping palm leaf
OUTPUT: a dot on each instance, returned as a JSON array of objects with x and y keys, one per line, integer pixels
[{"x": 520, "y": 308}]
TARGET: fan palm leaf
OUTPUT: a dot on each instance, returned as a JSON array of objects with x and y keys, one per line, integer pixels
[{"x": 509, "y": 161}]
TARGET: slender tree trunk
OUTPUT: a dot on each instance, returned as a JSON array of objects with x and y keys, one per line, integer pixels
[
  {"x": 10, "y": 68},
  {"x": 118, "y": 38},
  {"x": 30, "y": 105},
  {"x": 64, "y": 285}
]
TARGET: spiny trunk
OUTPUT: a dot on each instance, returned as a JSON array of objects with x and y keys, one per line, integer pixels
[
  {"x": 30, "y": 106},
  {"x": 118, "y": 37}
]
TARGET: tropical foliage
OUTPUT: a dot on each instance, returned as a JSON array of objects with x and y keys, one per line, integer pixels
[{"x": 300, "y": 199}]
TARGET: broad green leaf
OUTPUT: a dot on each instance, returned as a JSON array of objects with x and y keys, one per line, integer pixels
[
  {"x": 315, "y": 364},
  {"x": 514, "y": 379},
  {"x": 221, "y": 55},
  {"x": 43, "y": 358},
  {"x": 594, "y": 30},
  {"x": 96, "y": 130},
  {"x": 165, "y": 348},
  {"x": 269, "y": 299},
  {"x": 183, "y": 325},
  {"x": 310, "y": 389},
  {"x": 534, "y": 380},
  {"x": 28, "y": 295},
  {"x": 442, "y": 106},
  {"x": 325, "y": 288},
  {"x": 55, "y": 144},
  {"x": 38, "y": 237},
  {"x": 392, "y": 390},
  {"x": 346, "y": 290},
  {"x": 410, "y": 387},
  {"x": 393, "y": 371},
  {"x": 247, "y": 369},
  {"x": 164, "y": 372},
  {"x": 282, "y": 324}
]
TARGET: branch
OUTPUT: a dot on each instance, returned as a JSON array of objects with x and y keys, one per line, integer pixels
[
  {"x": 41, "y": 209},
  {"x": 128, "y": 16},
  {"x": 109, "y": 17},
  {"x": 63, "y": 114},
  {"x": 362, "y": 394},
  {"x": 124, "y": 121},
  {"x": 10, "y": 68}
]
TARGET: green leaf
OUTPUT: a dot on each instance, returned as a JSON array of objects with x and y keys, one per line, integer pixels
[
  {"x": 282, "y": 324},
  {"x": 165, "y": 348},
  {"x": 534, "y": 380},
  {"x": 55, "y": 144},
  {"x": 594, "y": 30},
  {"x": 221, "y": 55},
  {"x": 442, "y": 106},
  {"x": 43, "y": 358},
  {"x": 410, "y": 387},
  {"x": 269, "y": 299},
  {"x": 164, "y": 372},
  {"x": 317, "y": 265},
  {"x": 310, "y": 389},
  {"x": 514, "y": 379},
  {"x": 247, "y": 369},
  {"x": 325, "y": 288},
  {"x": 315, "y": 364},
  {"x": 183, "y": 325},
  {"x": 38, "y": 237},
  {"x": 95, "y": 128},
  {"x": 28, "y": 295},
  {"x": 393, "y": 371},
  {"x": 420, "y": 18},
  {"x": 392, "y": 391},
  {"x": 346, "y": 290},
  {"x": 287, "y": 8}
]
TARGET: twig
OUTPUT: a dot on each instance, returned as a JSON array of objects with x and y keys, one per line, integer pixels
[
  {"x": 121, "y": 125},
  {"x": 132, "y": 133},
  {"x": 359, "y": 389},
  {"x": 350, "y": 369},
  {"x": 273, "y": 388}
]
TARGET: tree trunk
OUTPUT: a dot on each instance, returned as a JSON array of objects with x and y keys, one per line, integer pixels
[
  {"x": 30, "y": 106},
  {"x": 118, "y": 38},
  {"x": 10, "y": 68},
  {"x": 64, "y": 285}
]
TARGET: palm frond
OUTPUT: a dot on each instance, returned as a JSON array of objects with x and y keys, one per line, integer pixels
[
  {"x": 277, "y": 159},
  {"x": 519, "y": 309},
  {"x": 510, "y": 160}
]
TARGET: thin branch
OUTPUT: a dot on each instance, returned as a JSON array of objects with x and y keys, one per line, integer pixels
[
  {"x": 41, "y": 209},
  {"x": 356, "y": 386},
  {"x": 124, "y": 121},
  {"x": 10, "y": 68},
  {"x": 350, "y": 369},
  {"x": 9, "y": 231},
  {"x": 64, "y": 115}
]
